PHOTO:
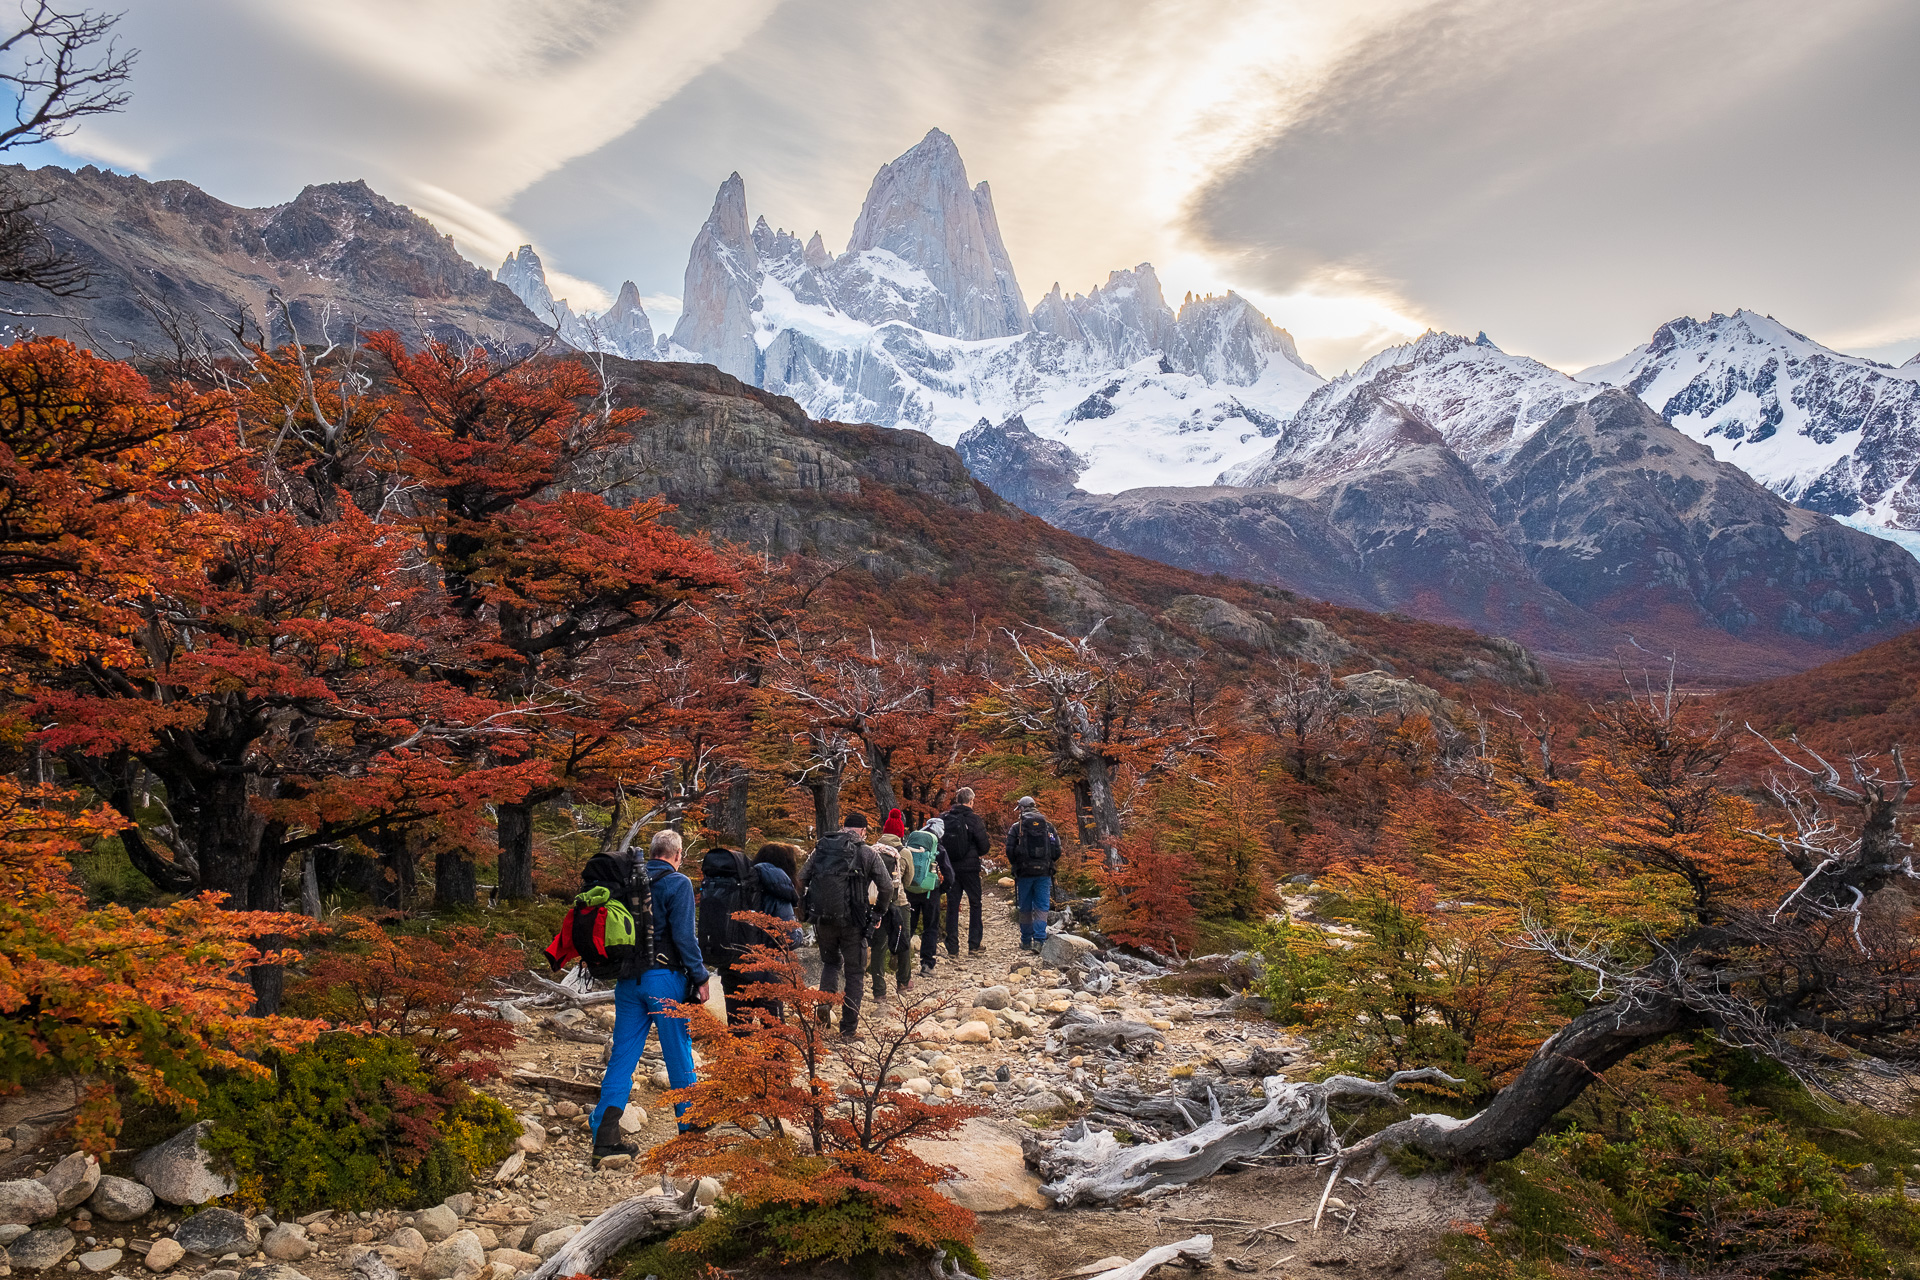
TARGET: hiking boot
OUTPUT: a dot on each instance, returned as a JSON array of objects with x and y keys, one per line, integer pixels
[
  {"x": 879, "y": 987},
  {"x": 926, "y": 971},
  {"x": 975, "y": 950},
  {"x": 607, "y": 1140}
]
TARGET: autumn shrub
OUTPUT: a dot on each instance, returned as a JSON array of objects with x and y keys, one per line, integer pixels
[
  {"x": 1147, "y": 901},
  {"x": 814, "y": 1171},
  {"x": 1684, "y": 1192},
  {"x": 424, "y": 990},
  {"x": 353, "y": 1122},
  {"x": 1299, "y": 970},
  {"x": 142, "y": 1004}
]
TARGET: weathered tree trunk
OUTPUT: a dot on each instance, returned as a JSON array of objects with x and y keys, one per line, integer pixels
[
  {"x": 826, "y": 807},
  {"x": 393, "y": 882},
  {"x": 264, "y": 893},
  {"x": 733, "y": 813},
  {"x": 1557, "y": 1073},
  {"x": 227, "y": 837},
  {"x": 310, "y": 885},
  {"x": 637, "y": 1218},
  {"x": 454, "y": 881},
  {"x": 880, "y": 782},
  {"x": 1106, "y": 813},
  {"x": 516, "y": 851}
]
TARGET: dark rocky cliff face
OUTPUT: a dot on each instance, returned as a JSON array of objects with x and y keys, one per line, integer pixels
[
  {"x": 921, "y": 543},
  {"x": 341, "y": 255}
]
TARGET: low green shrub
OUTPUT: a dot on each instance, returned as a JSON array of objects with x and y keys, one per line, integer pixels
[
  {"x": 353, "y": 1122},
  {"x": 1686, "y": 1192}
]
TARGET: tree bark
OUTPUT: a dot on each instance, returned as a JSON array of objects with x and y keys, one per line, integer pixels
[
  {"x": 1106, "y": 813},
  {"x": 826, "y": 807},
  {"x": 880, "y": 782},
  {"x": 516, "y": 851},
  {"x": 734, "y": 811},
  {"x": 393, "y": 881},
  {"x": 1557, "y": 1073},
  {"x": 454, "y": 882},
  {"x": 310, "y": 885},
  {"x": 228, "y": 837}
]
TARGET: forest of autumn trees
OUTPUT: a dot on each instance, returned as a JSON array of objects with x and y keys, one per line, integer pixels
[{"x": 291, "y": 623}]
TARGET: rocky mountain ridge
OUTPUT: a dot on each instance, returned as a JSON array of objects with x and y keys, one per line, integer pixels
[
  {"x": 921, "y": 323},
  {"x": 1835, "y": 433},
  {"x": 1450, "y": 480},
  {"x": 167, "y": 259},
  {"x": 624, "y": 329}
]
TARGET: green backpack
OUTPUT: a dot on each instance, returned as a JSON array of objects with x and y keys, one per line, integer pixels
[{"x": 926, "y": 869}]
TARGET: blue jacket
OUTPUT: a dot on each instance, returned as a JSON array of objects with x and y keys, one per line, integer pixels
[
  {"x": 777, "y": 894},
  {"x": 673, "y": 920}
]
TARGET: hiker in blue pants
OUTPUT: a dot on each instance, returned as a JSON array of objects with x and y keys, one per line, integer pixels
[{"x": 674, "y": 973}]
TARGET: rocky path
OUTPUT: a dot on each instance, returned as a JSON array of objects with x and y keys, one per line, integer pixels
[{"x": 994, "y": 1044}]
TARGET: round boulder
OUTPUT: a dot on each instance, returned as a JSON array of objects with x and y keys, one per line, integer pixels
[
  {"x": 177, "y": 1170},
  {"x": 72, "y": 1180},
  {"x": 164, "y": 1254},
  {"x": 120, "y": 1200},
  {"x": 287, "y": 1243},
  {"x": 26, "y": 1201},
  {"x": 458, "y": 1255},
  {"x": 214, "y": 1233},
  {"x": 38, "y": 1250}
]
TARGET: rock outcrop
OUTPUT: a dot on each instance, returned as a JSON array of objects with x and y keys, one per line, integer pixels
[
  {"x": 722, "y": 287},
  {"x": 168, "y": 256}
]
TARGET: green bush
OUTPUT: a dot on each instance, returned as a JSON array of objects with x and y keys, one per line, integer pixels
[
  {"x": 1684, "y": 1192},
  {"x": 353, "y": 1122}
]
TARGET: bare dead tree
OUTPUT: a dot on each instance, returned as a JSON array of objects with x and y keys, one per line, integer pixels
[{"x": 63, "y": 65}]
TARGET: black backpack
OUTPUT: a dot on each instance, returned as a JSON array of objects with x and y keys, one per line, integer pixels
[
  {"x": 727, "y": 886},
  {"x": 1032, "y": 853},
  {"x": 836, "y": 885}
]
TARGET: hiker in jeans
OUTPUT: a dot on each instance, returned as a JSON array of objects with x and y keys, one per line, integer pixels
[
  {"x": 833, "y": 898},
  {"x": 1033, "y": 849},
  {"x": 923, "y": 898},
  {"x": 673, "y": 974},
  {"x": 966, "y": 844}
]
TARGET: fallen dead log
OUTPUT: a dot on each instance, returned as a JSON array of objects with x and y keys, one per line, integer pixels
[
  {"x": 557, "y": 1084},
  {"x": 579, "y": 1035},
  {"x": 632, "y": 1220},
  {"x": 1196, "y": 1251},
  {"x": 1090, "y": 1166},
  {"x": 548, "y": 987}
]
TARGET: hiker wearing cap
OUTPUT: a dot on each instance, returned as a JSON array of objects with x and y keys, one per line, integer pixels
[
  {"x": 835, "y": 901},
  {"x": 966, "y": 844},
  {"x": 1033, "y": 849},
  {"x": 923, "y": 870}
]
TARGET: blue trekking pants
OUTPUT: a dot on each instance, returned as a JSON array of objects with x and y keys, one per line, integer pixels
[
  {"x": 637, "y": 1008},
  {"x": 1033, "y": 895}
]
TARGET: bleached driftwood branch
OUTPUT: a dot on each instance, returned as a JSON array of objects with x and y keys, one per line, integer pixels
[{"x": 636, "y": 1218}]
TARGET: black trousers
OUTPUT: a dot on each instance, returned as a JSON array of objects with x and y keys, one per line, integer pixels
[
  {"x": 843, "y": 950},
  {"x": 731, "y": 980},
  {"x": 968, "y": 883},
  {"x": 923, "y": 918}
]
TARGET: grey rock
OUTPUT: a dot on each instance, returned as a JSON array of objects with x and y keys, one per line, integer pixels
[
  {"x": 515, "y": 1259},
  {"x": 1043, "y": 1101},
  {"x": 38, "y": 1250},
  {"x": 26, "y": 1201},
  {"x": 1062, "y": 950},
  {"x": 213, "y": 1233},
  {"x": 287, "y": 1243},
  {"x": 179, "y": 1172},
  {"x": 72, "y": 1180},
  {"x": 408, "y": 1240},
  {"x": 436, "y": 1223},
  {"x": 120, "y": 1199},
  {"x": 220, "y": 1273},
  {"x": 269, "y": 1271},
  {"x": 992, "y": 998},
  {"x": 459, "y": 1254},
  {"x": 541, "y": 1225},
  {"x": 11, "y": 1231},
  {"x": 461, "y": 1203},
  {"x": 549, "y": 1244},
  {"x": 98, "y": 1260}
]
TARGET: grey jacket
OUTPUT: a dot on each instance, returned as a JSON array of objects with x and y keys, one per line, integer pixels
[{"x": 873, "y": 868}]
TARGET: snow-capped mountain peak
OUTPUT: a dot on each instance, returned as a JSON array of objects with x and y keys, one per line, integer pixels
[
  {"x": 623, "y": 330},
  {"x": 1837, "y": 433},
  {"x": 921, "y": 323},
  {"x": 1482, "y": 402}
]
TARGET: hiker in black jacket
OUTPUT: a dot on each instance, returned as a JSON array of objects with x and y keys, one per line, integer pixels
[
  {"x": 1033, "y": 850},
  {"x": 835, "y": 901},
  {"x": 965, "y": 843}
]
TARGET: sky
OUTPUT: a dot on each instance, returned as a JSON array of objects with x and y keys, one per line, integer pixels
[{"x": 1565, "y": 175}]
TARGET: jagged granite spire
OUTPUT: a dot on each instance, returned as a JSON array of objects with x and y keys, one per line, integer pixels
[
  {"x": 921, "y": 210},
  {"x": 723, "y": 281}
]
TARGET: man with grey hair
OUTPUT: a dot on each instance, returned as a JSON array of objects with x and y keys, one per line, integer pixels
[{"x": 673, "y": 973}]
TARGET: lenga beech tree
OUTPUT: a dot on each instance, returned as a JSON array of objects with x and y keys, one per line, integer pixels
[
  {"x": 1644, "y": 878},
  {"x": 539, "y": 578}
]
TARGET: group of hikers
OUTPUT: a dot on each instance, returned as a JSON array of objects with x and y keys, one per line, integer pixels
[{"x": 645, "y": 926}]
